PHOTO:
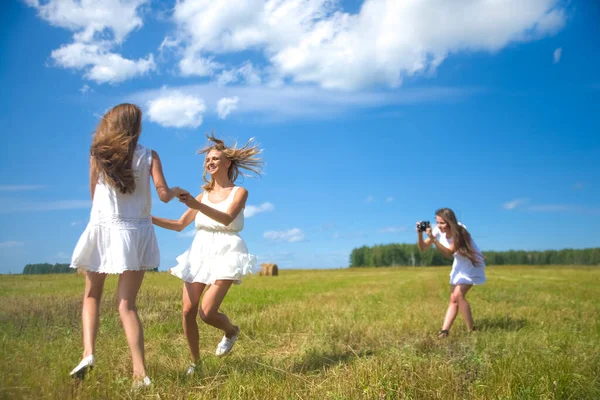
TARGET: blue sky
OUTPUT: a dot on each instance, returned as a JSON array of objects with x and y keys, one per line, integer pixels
[{"x": 371, "y": 114}]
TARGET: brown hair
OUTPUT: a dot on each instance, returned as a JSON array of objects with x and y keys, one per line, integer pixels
[
  {"x": 114, "y": 144},
  {"x": 243, "y": 157},
  {"x": 462, "y": 238}
]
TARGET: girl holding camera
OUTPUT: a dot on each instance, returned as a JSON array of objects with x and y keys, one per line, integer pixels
[{"x": 452, "y": 239}]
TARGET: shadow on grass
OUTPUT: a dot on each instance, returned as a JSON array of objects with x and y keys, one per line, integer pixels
[
  {"x": 500, "y": 323},
  {"x": 315, "y": 361}
]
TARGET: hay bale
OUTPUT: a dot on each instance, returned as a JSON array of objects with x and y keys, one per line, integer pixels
[{"x": 269, "y": 270}]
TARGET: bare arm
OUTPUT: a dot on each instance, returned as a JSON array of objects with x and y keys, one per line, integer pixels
[
  {"x": 165, "y": 194},
  {"x": 423, "y": 244},
  {"x": 177, "y": 225},
  {"x": 93, "y": 177},
  {"x": 225, "y": 218},
  {"x": 447, "y": 252}
]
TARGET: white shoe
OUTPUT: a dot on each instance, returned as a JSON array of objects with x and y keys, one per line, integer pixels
[
  {"x": 226, "y": 344},
  {"x": 191, "y": 369},
  {"x": 141, "y": 384},
  {"x": 87, "y": 364}
]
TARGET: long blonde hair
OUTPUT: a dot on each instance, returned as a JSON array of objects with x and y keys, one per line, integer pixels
[
  {"x": 241, "y": 158},
  {"x": 462, "y": 238},
  {"x": 114, "y": 144}
]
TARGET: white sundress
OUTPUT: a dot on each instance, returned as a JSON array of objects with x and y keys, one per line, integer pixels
[
  {"x": 217, "y": 251},
  {"x": 120, "y": 235},
  {"x": 463, "y": 269}
]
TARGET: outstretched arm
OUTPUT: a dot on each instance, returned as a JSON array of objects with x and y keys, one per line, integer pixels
[
  {"x": 177, "y": 225},
  {"x": 165, "y": 193},
  {"x": 225, "y": 218}
]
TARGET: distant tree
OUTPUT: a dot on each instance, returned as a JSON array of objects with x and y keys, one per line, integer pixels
[
  {"x": 45, "y": 268},
  {"x": 403, "y": 254}
]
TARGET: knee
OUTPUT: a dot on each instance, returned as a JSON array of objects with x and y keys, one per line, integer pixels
[
  {"x": 190, "y": 311},
  {"x": 456, "y": 298},
  {"x": 126, "y": 306},
  {"x": 207, "y": 315}
]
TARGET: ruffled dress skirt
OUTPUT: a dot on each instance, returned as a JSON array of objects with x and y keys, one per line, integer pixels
[
  {"x": 215, "y": 255},
  {"x": 467, "y": 275},
  {"x": 114, "y": 250}
]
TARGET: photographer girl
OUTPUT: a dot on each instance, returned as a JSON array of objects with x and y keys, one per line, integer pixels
[{"x": 452, "y": 239}]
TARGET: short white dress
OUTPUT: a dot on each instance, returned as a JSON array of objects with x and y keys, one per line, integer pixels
[
  {"x": 217, "y": 251},
  {"x": 120, "y": 236},
  {"x": 463, "y": 269}
]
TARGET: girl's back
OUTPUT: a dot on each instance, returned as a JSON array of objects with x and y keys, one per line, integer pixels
[{"x": 110, "y": 206}]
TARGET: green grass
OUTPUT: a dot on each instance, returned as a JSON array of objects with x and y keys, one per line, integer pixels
[{"x": 337, "y": 334}]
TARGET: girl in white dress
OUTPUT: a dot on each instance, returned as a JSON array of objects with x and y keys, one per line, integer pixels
[
  {"x": 218, "y": 256},
  {"x": 452, "y": 239},
  {"x": 119, "y": 238}
]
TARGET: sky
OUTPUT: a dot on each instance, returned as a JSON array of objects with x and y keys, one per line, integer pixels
[{"x": 372, "y": 114}]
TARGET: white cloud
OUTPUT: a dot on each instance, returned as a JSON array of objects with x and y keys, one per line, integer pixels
[
  {"x": 85, "y": 88},
  {"x": 393, "y": 229},
  {"x": 91, "y": 18},
  {"x": 10, "y": 244},
  {"x": 511, "y": 205},
  {"x": 226, "y": 105},
  {"x": 20, "y": 188},
  {"x": 97, "y": 26},
  {"x": 198, "y": 66},
  {"x": 389, "y": 199},
  {"x": 557, "y": 55},
  {"x": 100, "y": 64},
  {"x": 251, "y": 211},
  {"x": 292, "y": 235},
  {"x": 370, "y": 199},
  {"x": 301, "y": 102},
  {"x": 176, "y": 109},
  {"x": 246, "y": 73},
  {"x": 63, "y": 255},
  {"x": 315, "y": 41},
  {"x": 45, "y": 206}
]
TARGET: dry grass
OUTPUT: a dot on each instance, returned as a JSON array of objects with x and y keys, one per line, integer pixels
[{"x": 342, "y": 334}]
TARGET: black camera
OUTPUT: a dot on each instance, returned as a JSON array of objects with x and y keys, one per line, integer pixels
[{"x": 423, "y": 225}]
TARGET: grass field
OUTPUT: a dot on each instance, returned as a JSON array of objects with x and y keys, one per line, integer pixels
[{"x": 332, "y": 334}]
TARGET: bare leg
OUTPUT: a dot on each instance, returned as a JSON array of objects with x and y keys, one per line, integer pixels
[
  {"x": 210, "y": 308},
  {"x": 458, "y": 300},
  {"x": 191, "y": 301},
  {"x": 464, "y": 307},
  {"x": 129, "y": 285},
  {"x": 90, "y": 314}
]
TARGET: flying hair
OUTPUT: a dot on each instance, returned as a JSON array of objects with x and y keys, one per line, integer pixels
[
  {"x": 242, "y": 158},
  {"x": 114, "y": 144}
]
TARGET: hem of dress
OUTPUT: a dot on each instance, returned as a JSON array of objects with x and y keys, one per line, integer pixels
[
  {"x": 100, "y": 270},
  {"x": 464, "y": 282},
  {"x": 236, "y": 281}
]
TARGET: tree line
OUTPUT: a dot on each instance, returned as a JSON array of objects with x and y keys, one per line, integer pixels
[
  {"x": 402, "y": 254},
  {"x": 46, "y": 268}
]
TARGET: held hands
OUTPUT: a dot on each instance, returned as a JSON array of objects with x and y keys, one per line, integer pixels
[
  {"x": 189, "y": 200},
  {"x": 177, "y": 191}
]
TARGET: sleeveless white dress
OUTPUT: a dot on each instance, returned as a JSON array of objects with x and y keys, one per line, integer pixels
[
  {"x": 217, "y": 251},
  {"x": 463, "y": 270},
  {"x": 120, "y": 236}
]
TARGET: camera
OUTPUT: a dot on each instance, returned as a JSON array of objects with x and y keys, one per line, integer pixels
[{"x": 423, "y": 225}]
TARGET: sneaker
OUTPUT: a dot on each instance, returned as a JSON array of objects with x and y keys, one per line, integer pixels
[
  {"x": 226, "y": 344},
  {"x": 191, "y": 369},
  {"x": 141, "y": 383},
  {"x": 86, "y": 365}
]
